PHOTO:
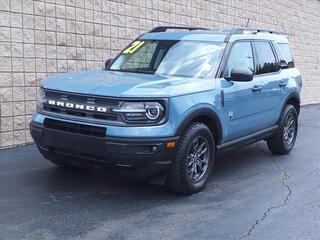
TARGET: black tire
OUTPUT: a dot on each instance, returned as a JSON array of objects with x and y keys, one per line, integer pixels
[
  {"x": 279, "y": 143},
  {"x": 179, "y": 179}
]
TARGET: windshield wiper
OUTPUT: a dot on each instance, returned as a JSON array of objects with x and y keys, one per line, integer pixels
[{"x": 137, "y": 70}]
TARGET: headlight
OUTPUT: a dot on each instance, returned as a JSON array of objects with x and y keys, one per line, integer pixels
[
  {"x": 40, "y": 99},
  {"x": 154, "y": 111},
  {"x": 141, "y": 111}
]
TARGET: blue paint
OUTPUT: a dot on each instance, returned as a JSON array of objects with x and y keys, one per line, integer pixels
[{"x": 242, "y": 113}]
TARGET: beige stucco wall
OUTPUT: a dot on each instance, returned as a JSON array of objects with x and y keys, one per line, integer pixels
[{"x": 39, "y": 38}]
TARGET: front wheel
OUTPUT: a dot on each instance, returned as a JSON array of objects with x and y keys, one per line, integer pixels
[
  {"x": 194, "y": 160},
  {"x": 284, "y": 139}
]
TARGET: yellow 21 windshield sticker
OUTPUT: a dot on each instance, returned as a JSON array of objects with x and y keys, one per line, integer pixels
[{"x": 133, "y": 47}]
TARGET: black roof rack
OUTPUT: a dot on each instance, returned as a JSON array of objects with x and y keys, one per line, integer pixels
[
  {"x": 250, "y": 30},
  {"x": 253, "y": 31},
  {"x": 165, "y": 28},
  {"x": 227, "y": 32}
]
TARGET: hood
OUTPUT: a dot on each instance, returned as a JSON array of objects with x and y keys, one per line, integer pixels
[{"x": 123, "y": 84}]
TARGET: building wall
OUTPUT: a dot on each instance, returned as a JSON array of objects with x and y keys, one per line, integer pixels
[{"x": 43, "y": 37}]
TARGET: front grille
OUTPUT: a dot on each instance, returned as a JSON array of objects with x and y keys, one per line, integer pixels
[
  {"x": 75, "y": 128},
  {"x": 75, "y": 99}
]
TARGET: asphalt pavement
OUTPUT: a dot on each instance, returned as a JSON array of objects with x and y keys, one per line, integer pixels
[{"x": 251, "y": 194}]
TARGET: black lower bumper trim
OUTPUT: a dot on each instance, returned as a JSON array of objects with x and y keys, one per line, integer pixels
[{"x": 128, "y": 153}]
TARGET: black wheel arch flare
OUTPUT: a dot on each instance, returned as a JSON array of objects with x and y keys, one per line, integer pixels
[
  {"x": 206, "y": 116},
  {"x": 294, "y": 99}
]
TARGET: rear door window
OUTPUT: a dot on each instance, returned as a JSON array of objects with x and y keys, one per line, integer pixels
[
  {"x": 266, "y": 61},
  {"x": 286, "y": 53}
]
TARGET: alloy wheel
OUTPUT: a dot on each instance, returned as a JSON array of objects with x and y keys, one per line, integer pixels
[
  {"x": 198, "y": 159},
  {"x": 289, "y": 130}
]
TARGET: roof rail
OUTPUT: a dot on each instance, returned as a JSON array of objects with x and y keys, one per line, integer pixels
[
  {"x": 250, "y": 30},
  {"x": 255, "y": 31},
  {"x": 165, "y": 28}
]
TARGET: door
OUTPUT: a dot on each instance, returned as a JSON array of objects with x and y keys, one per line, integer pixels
[
  {"x": 242, "y": 100},
  {"x": 267, "y": 70}
]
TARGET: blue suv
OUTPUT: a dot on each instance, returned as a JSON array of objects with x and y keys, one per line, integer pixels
[{"x": 170, "y": 102}]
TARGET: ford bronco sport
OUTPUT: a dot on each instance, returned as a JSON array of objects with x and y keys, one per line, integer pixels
[{"x": 170, "y": 102}]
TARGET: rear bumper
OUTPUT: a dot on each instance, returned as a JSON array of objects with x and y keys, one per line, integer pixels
[{"x": 143, "y": 157}]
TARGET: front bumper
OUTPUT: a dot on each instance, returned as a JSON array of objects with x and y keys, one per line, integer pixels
[{"x": 143, "y": 157}]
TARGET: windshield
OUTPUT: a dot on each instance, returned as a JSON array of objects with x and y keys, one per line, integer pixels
[{"x": 192, "y": 59}]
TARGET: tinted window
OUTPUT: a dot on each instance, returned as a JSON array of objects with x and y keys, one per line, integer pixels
[
  {"x": 240, "y": 56},
  {"x": 266, "y": 61},
  {"x": 286, "y": 53}
]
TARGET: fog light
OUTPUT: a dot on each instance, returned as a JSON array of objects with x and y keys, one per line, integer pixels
[{"x": 171, "y": 145}]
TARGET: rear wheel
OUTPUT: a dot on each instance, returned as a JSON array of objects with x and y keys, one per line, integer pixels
[
  {"x": 194, "y": 160},
  {"x": 284, "y": 139}
]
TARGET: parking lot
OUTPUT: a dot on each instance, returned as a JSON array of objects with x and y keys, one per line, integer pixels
[{"x": 251, "y": 195}]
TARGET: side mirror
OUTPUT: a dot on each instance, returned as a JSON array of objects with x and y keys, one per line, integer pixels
[
  {"x": 241, "y": 74},
  {"x": 108, "y": 63},
  {"x": 283, "y": 64}
]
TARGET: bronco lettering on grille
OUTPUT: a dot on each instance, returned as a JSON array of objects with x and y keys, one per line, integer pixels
[{"x": 76, "y": 106}]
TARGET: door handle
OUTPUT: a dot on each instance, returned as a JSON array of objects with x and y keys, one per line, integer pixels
[
  {"x": 283, "y": 83},
  {"x": 256, "y": 89}
]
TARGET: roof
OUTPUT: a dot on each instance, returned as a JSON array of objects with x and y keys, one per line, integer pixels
[
  {"x": 213, "y": 35},
  {"x": 185, "y": 35}
]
